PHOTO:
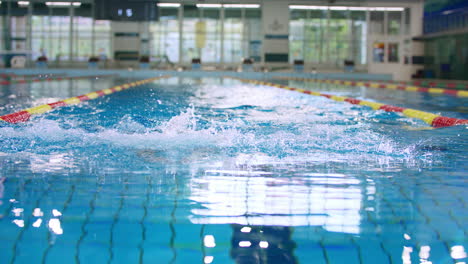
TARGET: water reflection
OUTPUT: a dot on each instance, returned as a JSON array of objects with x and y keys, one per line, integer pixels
[
  {"x": 262, "y": 244},
  {"x": 263, "y": 198}
]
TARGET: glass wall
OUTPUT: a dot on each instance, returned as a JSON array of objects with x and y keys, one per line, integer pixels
[
  {"x": 297, "y": 35},
  {"x": 82, "y": 33},
  {"x": 50, "y": 33},
  {"x": 446, "y": 57},
  {"x": 18, "y": 27},
  {"x": 358, "y": 39},
  {"x": 209, "y": 36},
  {"x": 59, "y": 36},
  {"x": 40, "y": 42},
  {"x": 189, "y": 28},
  {"x": 214, "y": 33},
  {"x": 102, "y": 39},
  {"x": 333, "y": 35},
  {"x": 165, "y": 37},
  {"x": 328, "y": 36},
  {"x": 3, "y": 27},
  {"x": 233, "y": 35},
  {"x": 253, "y": 33},
  {"x": 339, "y": 37},
  {"x": 377, "y": 23},
  {"x": 394, "y": 23}
]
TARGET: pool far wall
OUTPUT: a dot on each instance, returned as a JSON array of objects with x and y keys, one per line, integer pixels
[{"x": 200, "y": 74}]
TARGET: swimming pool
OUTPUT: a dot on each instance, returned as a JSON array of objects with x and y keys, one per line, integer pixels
[{"x": 212, "y": 170}]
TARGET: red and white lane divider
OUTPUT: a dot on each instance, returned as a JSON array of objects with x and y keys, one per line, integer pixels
[
  {"x": 25, "y": 115},
  {"x": 431, "y": 119},
  {"x": 409, "y": 88}
]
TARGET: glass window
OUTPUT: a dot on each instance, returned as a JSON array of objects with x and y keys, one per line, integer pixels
[
  {"x": 378, "y": 51},
  {"x": 208, "y": 35},
  {"x": 296, "y": 34},
  {"x": 393, "y": 54},
  {"x": 407, "y": 26},
  {"x": 1, "y": 32},
  {"x": 82, "y": 33},
  {"x": 315, "y": 34},
  {"x": 165, "y": 37},
  {"x": 233, "y": 35},
  {"x": 394, "y": 22},
  {"x": 189, "y": 47},
  {"x": 338, "y": 37},
  {"x": 377, "y": 22},
  {"x": 58, "y": 34},
  {"x": 102, "y": 39},
  {"x": 18, "y": 32},
  {"x": 253, "y": 33},
  {"x": 358, "y": 37},
  {"x": 82, "y": 46},
  {"x": 40, "y": 36}
]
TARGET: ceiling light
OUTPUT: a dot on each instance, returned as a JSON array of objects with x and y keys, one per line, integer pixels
[
  {"x": 344, "y": 8},
  {"x": 338, "y": 8},
  {"x": 23, "y": 3},
  {"x": 209, "y": 5},
  {"x": 358, "y": 8},
  {"x": 241, "y": 6},
  {"x": 168, "y": 4},
  {"x": 61, "y": 4},
  {"x": 395, "y": 9},
  {"x": 304, "y": 7}
]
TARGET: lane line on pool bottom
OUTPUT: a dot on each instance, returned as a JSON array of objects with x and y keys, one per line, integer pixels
[
  {"x": 408, "y": 88},
  {"x": 25, "y": 115},
  {"x": 53, "y": 79},
  {"x": 431, "y": 119}
]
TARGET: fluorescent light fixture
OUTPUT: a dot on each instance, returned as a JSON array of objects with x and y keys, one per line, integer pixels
[
  {"x": 304, "y": 7},
  {"x": 63, "y": 4},
  {"x": 23, "y": 3},
  {"x": 241, "y": 6},
  {"x": 168, "y": 4},
  {"x": 338, "y": 8},
  {"x": 395, "y": 8},
  {"x": 344, "y": 8},
  {"x": 358, "y": 8},
  {"x": 386, "y": 8},
  {"x": 209, "y": 5}
]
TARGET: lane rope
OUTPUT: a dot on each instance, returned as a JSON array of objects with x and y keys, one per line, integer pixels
[
  {"x": 431, "y": 119},
  {"x": 430, "y": 84},
  {"x": 8, "y": 82},
  {"x": 409, "y": 88},
  {"x": 25, "y": 115},
  {"x": 13, "y": 75}
]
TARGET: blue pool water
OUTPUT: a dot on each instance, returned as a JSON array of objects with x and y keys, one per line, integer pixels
[{"x": 211, "y": 170}]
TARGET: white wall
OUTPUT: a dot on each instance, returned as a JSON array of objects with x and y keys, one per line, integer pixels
[
  {"x": 134, "y": 44},
  {"x": 275, "y": 24},
  {"x": 407, "y": 47}
]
